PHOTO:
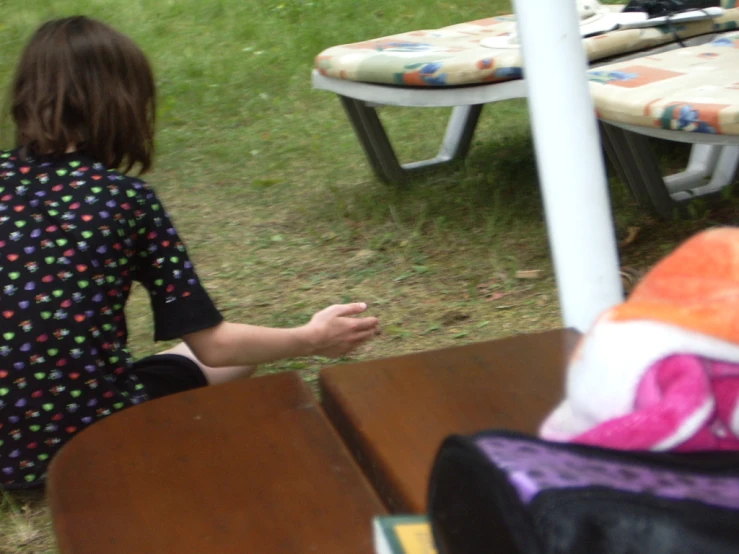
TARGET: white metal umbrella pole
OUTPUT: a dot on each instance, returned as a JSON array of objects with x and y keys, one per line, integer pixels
[{"x": 569, "y": 160}]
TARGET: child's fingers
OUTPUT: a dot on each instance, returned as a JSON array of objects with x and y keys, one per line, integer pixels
[
  {"x": 364, "y": 323},
  {"x": 364, "y": 336},
  {"x": 344, "y": 310}
]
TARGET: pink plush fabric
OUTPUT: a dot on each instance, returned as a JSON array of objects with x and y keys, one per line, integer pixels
[{"x": 684, "y": 403}]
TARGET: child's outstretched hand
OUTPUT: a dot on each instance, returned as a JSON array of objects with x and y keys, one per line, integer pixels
[{"x": 334, "y": 331}]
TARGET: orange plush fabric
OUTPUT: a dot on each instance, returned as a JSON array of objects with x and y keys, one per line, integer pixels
[{"x": 696, "y": 287}]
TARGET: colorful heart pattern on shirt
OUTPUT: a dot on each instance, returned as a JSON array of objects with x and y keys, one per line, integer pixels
[{"x": 73, "y": 238}]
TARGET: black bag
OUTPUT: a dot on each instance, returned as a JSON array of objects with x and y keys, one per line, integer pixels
[{"x": 507, "y": 493}]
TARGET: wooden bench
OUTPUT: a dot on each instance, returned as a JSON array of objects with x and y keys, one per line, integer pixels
[
  {"x": 248, "y": 467},
  {"x": 394, "y": 413}
]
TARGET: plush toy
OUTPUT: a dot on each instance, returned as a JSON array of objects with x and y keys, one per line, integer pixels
[{"x": 661, "y": 370}]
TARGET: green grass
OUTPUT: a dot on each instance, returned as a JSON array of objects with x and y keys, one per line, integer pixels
[{"x": 281, "y": 213}]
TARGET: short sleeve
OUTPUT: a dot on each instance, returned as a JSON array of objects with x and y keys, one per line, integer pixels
[{"x": 180, "y": 303}]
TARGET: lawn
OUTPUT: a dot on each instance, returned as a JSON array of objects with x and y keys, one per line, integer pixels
[{"x": 280, "y": 211}]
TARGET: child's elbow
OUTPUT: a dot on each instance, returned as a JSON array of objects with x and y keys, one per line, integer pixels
[{"x": 205, "y": 345}]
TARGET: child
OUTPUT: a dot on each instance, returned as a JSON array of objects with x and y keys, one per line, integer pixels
[{"x": 75, "y": 232}]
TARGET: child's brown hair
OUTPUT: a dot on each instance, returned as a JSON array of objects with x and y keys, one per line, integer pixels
[{"x": 81, "y": 84}]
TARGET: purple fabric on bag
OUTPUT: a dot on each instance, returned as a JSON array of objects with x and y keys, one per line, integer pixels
[{"x": 533, "y": 467}]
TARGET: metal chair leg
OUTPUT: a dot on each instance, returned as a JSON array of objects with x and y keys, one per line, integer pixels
[
  {"x": 381, "y": 154},
  {"x": 457, "y": 139},
  {"x": 701, "y": 165},
  {"x": 636, "y": 165},
  {"x": 710, "y": 169},
  {"x": 723, "y": 174}
]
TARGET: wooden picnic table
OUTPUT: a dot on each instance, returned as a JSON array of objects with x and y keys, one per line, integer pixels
[
  {"x": 393, "y": 414},
  {"x": 248, "y": 467},
  {"x": 256, "y": 465}
]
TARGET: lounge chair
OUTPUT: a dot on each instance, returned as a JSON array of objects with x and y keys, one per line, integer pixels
[
  {"x": 688, "y": 95},
  {"x": 448, "y": 67}
]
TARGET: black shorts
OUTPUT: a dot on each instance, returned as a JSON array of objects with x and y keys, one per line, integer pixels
[{"x": 165, "y": 374}]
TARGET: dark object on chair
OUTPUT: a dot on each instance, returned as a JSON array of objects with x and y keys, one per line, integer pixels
[{"x": 664, "y": 8}]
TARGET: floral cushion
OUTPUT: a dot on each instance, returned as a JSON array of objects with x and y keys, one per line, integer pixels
[
  {"x": 692, "y": 89},
  {"x": 453, "y": 56}
]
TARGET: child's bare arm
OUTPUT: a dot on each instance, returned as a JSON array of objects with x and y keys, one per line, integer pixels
[{"x": 330, "y": 332}]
